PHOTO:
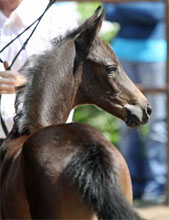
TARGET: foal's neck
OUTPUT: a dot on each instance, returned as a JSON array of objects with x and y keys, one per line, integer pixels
[
  {"x": 53, "y": 103},
  {"x": 50, "y": 96}
]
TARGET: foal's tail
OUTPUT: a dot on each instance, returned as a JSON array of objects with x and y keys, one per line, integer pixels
[{"x": 91, "y": 171}]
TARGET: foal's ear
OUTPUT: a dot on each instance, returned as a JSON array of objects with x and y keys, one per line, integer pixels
[{"x": 89, "y": 30}]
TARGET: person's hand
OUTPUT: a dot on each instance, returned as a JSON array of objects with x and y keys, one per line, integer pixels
[{"x": 9, "y": 79}]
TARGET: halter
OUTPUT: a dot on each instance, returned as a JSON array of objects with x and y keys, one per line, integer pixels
[{"x": 37, "y": 21}]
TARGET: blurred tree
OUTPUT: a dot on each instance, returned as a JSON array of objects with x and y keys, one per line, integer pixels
[{"x": 86, "y": 9}]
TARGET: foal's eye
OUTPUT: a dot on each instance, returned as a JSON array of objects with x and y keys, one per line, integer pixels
[{"x": 110, "y": 69}]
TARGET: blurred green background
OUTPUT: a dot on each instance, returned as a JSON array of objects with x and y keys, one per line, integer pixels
[{"x": 103, "y": 121}]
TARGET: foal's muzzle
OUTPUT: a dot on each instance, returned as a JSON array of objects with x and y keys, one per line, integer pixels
[{"x": 136, "y": 116}]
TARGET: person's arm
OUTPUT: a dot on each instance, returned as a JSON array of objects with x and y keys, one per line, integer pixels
[{"x": 9, "y": 79}]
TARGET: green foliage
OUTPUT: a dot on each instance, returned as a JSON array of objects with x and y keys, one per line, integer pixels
[
  {"x": 107, "y": 37},
  {"x": 86, "y": 9},
  {"x": 103, "y": 121}
]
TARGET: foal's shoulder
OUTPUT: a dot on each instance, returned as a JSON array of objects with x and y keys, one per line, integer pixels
[
  {"x": 68, "y": 131},
  {"x": 64, "y": 136}
]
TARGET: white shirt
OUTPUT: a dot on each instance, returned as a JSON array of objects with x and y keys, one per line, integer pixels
[{"x": 57, "y": 20}]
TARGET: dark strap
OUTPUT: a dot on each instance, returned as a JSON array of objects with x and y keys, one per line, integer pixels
[
  {"x": 27, "y": 40},
  {"x": 37, "y": 20},
  {"x": 4, "y": 127},
  {"x": 1, "y": 61}
]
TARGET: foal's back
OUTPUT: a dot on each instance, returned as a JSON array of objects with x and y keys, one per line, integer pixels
[{"x": 67, "y": 168}]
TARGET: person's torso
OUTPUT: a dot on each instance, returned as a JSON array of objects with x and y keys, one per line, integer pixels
[{"x": 53, "y": 24}]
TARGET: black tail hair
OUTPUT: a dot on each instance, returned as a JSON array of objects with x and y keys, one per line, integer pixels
[{"x": 91, "y": 171}]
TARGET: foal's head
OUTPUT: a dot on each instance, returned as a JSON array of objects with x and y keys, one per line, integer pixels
[
  {"x": 103, "y": 81},
  {"x": 79, "y": 69}
]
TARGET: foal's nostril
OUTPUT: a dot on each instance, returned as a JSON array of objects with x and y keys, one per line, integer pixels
[
  {"x": 146, "y": 113},
  {"x": 149, "y": 110}
]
